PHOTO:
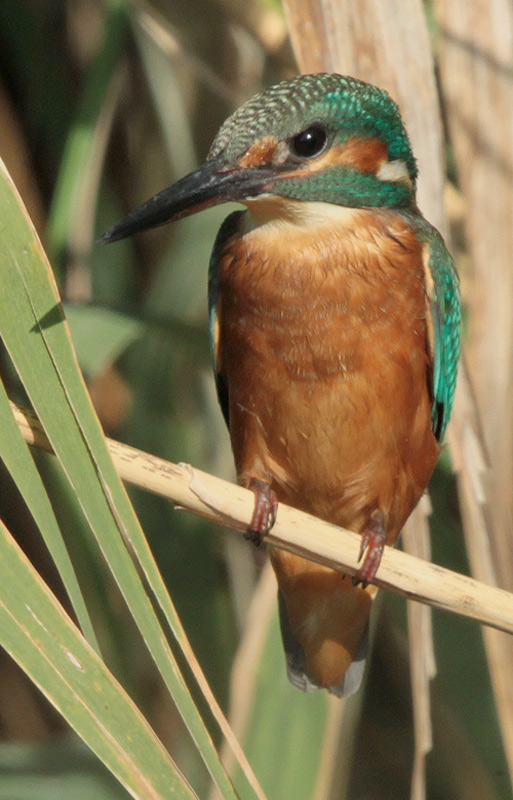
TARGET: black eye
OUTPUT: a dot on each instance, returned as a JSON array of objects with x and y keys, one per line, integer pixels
[{"x": 309, "y": 142}]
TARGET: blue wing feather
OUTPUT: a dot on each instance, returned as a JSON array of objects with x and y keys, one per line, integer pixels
[
  {"x": 446, "y": 317},
  {"x": 229, "y": 227}
]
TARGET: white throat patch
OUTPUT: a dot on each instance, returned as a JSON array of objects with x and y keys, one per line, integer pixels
[{"x": 274, "y": 211}]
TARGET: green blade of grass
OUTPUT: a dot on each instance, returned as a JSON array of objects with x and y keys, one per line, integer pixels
[
  {"x": 37, "y": 339},
  {"x": 178, "y": 287},
  {"x": 78, "y": 160},
  {"x": 41, "y": 638},
  {"x": 18, "y": 460}
]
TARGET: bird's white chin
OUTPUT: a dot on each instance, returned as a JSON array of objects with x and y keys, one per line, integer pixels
[{"x": 273, "y": 210}]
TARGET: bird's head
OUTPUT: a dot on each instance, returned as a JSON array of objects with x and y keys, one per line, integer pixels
[{"x": 316, "y": 138}]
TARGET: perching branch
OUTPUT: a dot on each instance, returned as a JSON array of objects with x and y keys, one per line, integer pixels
[{"x": 231, "y": 505}]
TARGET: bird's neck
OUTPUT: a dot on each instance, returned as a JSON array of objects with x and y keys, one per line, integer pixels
[
  {"x": 302, "y": 251},
  {"x": 270, "y": 214}
]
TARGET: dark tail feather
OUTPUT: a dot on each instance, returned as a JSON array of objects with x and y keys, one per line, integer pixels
[{"x": 296, "y": 661}]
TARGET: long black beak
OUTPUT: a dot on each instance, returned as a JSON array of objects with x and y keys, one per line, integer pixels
[{"x": 210, "y": 185}]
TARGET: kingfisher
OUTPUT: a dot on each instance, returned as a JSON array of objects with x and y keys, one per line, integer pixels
[{"x": 334, "y": 322}]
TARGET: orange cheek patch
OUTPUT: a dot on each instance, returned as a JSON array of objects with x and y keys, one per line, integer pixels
[
  {"x": 261, "y": 152},
  {"x": 359, "y": 152},
  {"x": 365, "y": 155}
]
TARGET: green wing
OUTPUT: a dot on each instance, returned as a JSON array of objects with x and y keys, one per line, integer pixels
[
  {"x": 446, "y": 317},
  {"x": 229, "y": 227}
]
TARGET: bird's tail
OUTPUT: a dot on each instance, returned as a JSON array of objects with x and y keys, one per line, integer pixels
[{"x": 324, "y": 624}]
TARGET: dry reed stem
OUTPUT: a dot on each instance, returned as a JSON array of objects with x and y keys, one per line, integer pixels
[
  {"x": 421, "y": 651},
  {"x": 244, "y": 672},
  {"x": 388, "y": 45},
  {"x": 231, "y": 505}
]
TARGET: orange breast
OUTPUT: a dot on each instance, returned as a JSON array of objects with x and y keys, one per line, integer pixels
[{"x": 323, "y": 345}]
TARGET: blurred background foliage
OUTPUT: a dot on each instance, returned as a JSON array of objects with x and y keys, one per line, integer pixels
[{"x": 102, "y": 104}]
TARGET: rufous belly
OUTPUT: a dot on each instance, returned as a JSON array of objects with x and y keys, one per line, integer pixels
[{"x": 326, "y": 362}]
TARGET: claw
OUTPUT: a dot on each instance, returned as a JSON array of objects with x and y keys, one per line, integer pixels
[
  {"x": 373, "y": 544},
  {"x": 264, "y": 513}
]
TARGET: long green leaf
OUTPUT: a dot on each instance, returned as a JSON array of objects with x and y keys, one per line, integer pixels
[
  {"x": 37, "y": 338},
  {"x": 39, "y": 635},
  {"x": 77, "y": 161},
  {"x": 19, "y": 462},
  {"x": 178, "y": 288}
]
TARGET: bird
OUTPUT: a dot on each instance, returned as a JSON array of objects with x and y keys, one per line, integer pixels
[{"x": 335, "y": 326}]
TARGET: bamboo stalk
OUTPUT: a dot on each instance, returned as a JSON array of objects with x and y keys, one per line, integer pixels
[{"x": 231, "y": 505}]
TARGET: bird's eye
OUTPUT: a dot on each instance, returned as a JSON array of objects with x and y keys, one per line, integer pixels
[{"x": 309, "y": 142}]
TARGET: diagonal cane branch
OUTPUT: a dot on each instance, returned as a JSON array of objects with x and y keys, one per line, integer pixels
[{"x": 231, "y": 505}]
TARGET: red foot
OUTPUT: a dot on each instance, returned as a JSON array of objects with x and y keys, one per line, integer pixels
[
  {"x": 373, "y": 541},
  {"x": 264, "y": 514}
]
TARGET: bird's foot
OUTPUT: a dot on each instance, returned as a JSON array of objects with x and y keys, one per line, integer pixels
[
  {"x": 264, "y": 513},
  {"x": 373, "y": 541}
]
